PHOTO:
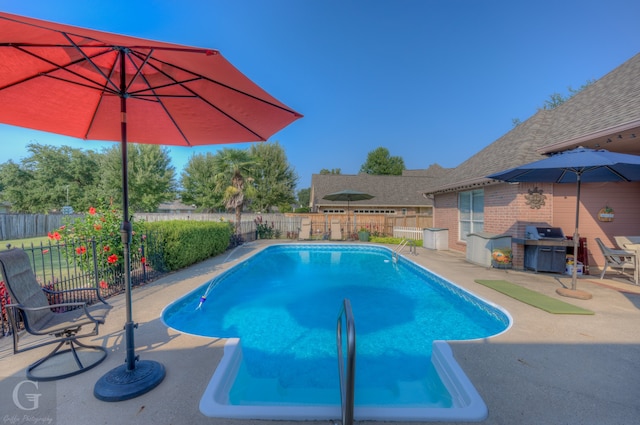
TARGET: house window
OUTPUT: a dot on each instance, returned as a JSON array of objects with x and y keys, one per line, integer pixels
[{"x": 471, "y": 212}]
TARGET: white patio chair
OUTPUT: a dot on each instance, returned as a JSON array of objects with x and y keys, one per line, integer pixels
[{"x": 617, "y": 259}]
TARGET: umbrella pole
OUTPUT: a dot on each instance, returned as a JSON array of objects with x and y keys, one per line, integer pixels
[
  {"x": 348, "y": 229},
  {"x": 135, "y": 377},
  {"x": 576, "y": 239},
  {"x": 574, "y": 292}
]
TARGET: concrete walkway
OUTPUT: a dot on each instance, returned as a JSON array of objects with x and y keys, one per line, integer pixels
[{"x": 547, "y": 369}]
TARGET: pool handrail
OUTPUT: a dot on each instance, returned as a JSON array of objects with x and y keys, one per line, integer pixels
[
  {"x": 403, "y": 243},
  {"x": 347, "y": 396}
]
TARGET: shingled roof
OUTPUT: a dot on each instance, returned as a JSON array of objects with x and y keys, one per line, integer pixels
[
  {"x": 611, "y": 102},
  {"x": 605, "y": 111},
  {"x": 389, "y": 191}
]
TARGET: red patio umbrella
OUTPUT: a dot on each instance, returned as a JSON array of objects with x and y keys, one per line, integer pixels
[{"x": 95, "y": 85}]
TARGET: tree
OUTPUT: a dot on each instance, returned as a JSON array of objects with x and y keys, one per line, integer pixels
[
  {"x": 273, "y": 178},
  {"x": 49, "y": 178},
  {"x": 324, "y": 171},
  {"x": 14, "y": 180},
  {"x": 380, "y": 162},
  {"x": 199, "y": 185},
  {"x": 151, "y": 176},
  {"x": 231, "y": 166},
  {"x": 304, "y": 197},
  {"x": 557, "y": 99}
]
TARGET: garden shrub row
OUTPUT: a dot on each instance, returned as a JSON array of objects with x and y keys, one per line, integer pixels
[
  {"x": 183, "y": 243},
  {"x": 392, "y": 240}
]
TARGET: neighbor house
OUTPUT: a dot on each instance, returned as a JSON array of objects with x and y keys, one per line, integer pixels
[
  {"x": 604, "y": 115},
  {"x": 393, "y": 197},
  {"x": 175, "y": 207},
  {"x": 392, "y": 194}
]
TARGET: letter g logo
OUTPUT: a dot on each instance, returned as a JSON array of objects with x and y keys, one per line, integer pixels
[{"x": 33, "y": 398}]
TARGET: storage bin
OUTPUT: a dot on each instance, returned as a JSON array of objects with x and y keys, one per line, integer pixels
[
  {"x": 433, "y": 238},
  {"x": 579, "y": 269},
  {"x": 480, "y": 247}
]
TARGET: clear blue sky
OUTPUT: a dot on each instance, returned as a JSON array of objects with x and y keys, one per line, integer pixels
[{"x": 433, "y": 81}]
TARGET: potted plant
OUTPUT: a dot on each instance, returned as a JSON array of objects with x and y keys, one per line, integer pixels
[{"x": 363, "y": 235}]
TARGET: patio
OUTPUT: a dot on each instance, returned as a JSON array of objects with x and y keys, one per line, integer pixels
[{"x": 547, "y": 369}]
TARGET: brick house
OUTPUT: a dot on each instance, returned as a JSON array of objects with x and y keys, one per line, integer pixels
[{"x": 604, "y": 115}]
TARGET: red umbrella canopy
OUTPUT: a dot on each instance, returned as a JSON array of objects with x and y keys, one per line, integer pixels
[
  {"x": 68, "y": 80},
  {"x": 100, "y": 86}
]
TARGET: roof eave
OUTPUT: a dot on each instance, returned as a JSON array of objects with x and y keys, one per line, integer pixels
[
  {"x": 591, "y": 137},
  {"x": 462, "y": 185}
]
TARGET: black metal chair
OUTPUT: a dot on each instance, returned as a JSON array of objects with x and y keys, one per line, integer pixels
[{"x": 61, "y": 321}]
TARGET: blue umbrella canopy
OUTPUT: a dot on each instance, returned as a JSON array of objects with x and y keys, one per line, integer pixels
[
  {"x": 579, "y": 164},
  {"x": 576, "y": 166}
]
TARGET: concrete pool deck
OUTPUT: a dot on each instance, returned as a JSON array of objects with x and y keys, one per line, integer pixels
[{"x": 547, "y": 369}]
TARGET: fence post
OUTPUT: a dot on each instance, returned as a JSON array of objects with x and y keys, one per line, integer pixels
[
  {"x": 144, "y": 263},
  {"x": 95, "y": 263}
]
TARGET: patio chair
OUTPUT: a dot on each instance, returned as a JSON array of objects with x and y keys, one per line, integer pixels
[
  {"x": 617, "y": 259},
  {"x": 305, "y": 229},
  {"x": 623, "y": 241},
  {"x": 336, "y": 231},
  {"x": 60, "y": 323}
]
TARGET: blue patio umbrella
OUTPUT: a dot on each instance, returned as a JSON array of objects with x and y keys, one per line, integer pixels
[{"x": 576, "y": 166}]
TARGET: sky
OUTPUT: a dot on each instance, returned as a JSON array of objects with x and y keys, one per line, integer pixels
[{"x": 433, "y": 81}]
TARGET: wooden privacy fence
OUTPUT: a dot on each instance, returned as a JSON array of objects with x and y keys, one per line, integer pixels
[
  {"x": 419, "y": 221},
  {"x": 20, "y": 226}
]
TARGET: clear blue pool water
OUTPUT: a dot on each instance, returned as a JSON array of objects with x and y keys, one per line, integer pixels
[{"x": 283, "y": 304}]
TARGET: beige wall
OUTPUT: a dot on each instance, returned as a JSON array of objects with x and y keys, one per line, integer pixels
[{"x": 622, "y": 197}]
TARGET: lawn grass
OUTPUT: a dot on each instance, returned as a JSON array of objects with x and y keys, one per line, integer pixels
[
  {"x": 46, "y": 258},
  {"x": 18, "y": 243}
]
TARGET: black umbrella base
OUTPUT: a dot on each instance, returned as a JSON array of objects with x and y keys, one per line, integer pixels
[
  {"x": 574, "y": 293},
  {"x": 122, "y": 384}
]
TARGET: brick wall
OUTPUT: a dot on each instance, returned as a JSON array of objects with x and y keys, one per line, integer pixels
[{"x": 506, "y": 211}]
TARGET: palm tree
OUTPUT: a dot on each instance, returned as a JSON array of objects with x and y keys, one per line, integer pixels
[{"x": 232, "y": 166}]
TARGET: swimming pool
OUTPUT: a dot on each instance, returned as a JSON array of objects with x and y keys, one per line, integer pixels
[{"x": 279, "y": 310}]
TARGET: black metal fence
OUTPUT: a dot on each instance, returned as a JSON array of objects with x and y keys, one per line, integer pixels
[{"x": 57, "y": 268}]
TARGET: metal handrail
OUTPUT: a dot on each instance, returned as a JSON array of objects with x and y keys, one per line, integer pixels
[
  {"x": 347, "y": 383},
  {"x": 399, "y": 248},
  {"x": 413, "y": 248},
  {"x": 403, "y": 243}
]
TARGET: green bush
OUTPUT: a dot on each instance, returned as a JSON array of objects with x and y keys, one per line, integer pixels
[
  {"x": 184, "y": 242},
  {"x": 391, "y": 240}
]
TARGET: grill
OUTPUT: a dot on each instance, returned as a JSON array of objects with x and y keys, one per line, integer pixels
[{"x": 541, "y": 254}]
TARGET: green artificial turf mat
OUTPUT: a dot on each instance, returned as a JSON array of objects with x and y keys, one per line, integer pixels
[{"x": 533, "y": 298}]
